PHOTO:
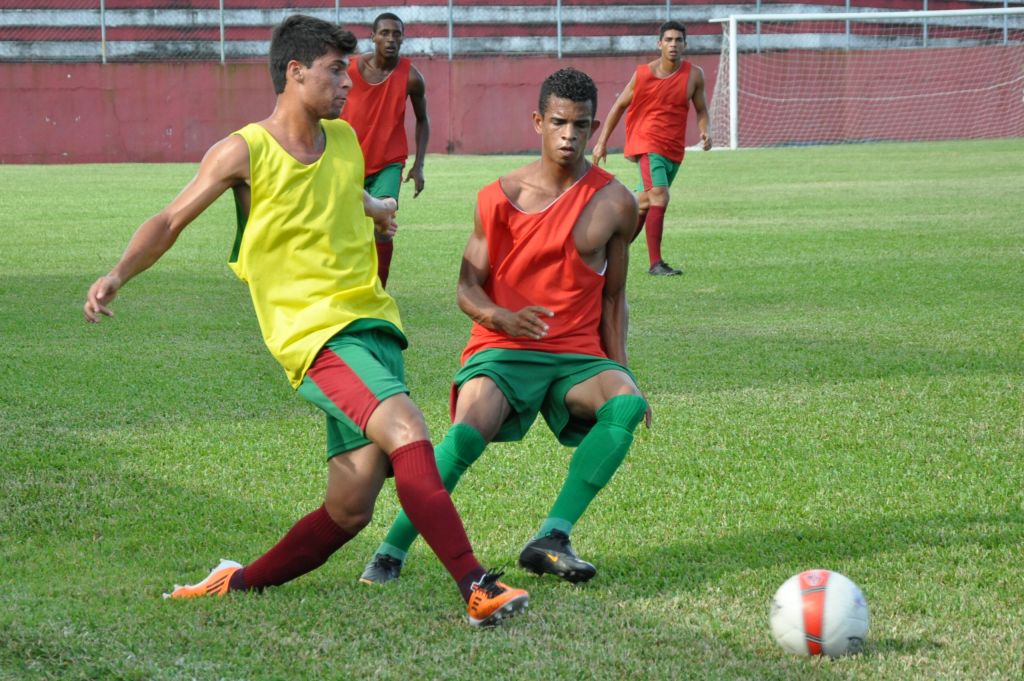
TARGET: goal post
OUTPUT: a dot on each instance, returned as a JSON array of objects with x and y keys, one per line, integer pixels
[{"x": 848, "y": 77}]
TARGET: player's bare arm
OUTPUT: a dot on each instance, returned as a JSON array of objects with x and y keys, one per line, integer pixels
[
  {"x": 700, "y": 106},
  {"x": 615, "y": 309},
  {"x": 615, "y": 214},
  {"x": 382, "y": 212},
  {"x": 417, "y": 91},
  {"x": 622, "y": 103},
  {"x": 224, "y": 166},
  {"x": 474, "y": 301}
]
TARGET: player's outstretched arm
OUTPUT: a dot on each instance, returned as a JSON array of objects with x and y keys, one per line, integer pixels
[
  {"x": 417, "y": 90},
  {"x": 225, "y": 165},
  {"x": 474, "y": 301},
  {"x": 622, "y": 103}
]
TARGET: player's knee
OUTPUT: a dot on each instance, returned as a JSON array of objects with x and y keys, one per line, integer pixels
[
  {"x": 623, "y": 411},
  {"x": 616, "y": 421},
  {"x": 348, "y": 514},
  {"x": 658, "y": 196},
  {"x": 397, "y": 422}
]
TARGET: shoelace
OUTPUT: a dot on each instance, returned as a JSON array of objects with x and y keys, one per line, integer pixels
[
  {"x": 563, "y": 541},
  {"x": 489, "y": 583}
]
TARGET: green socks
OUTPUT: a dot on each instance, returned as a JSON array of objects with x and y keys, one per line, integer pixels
[
  {"x": 593, "y": 464},
  {"x": 595, "y": 460},
  {"x": 462, "y": 445}
]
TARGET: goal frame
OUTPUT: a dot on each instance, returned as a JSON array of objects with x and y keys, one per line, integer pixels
[{"x": 733, "y": 20}]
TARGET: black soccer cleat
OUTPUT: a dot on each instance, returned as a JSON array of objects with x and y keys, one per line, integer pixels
[
  {"x": 383, "y": 568},
  {"x": 663, "y": 269},
  {"x": 553, "y": 554}
]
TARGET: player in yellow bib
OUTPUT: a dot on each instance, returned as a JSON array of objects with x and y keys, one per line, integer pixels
[{"x": 304, "y": 246}]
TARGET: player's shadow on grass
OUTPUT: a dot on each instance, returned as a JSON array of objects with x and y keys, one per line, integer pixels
[
  {"x": 899, "y": 646},
  {"x": 140, "y": 520},
  {"x": 778, "y": 358},
  {"x": 685, "y": 566}
]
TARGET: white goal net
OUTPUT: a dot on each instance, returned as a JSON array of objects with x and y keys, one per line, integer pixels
[{"x": 803, "y": 79}]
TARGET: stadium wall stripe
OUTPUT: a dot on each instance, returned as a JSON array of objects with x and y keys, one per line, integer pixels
[
  {"x": 173, "y": 112},
  {"x": 157, "y": 13}
]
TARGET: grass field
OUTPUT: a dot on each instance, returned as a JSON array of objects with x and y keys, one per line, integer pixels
[{"x": 837, "y": 381}]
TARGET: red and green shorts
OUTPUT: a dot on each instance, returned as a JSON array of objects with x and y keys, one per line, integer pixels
[
  {"x": 536, "y": 382},
  {"x": 353, "y": 373},
  {"x": 656, "y": 171}
]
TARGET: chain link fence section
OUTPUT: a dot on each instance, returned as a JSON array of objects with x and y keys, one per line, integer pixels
[{"x": 239, "y": 30}]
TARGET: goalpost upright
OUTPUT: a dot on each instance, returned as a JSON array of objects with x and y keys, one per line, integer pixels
[{"x": 828, "y": 72}]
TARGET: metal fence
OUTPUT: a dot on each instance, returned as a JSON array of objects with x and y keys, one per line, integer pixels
[{"x": 239, "y": 30}]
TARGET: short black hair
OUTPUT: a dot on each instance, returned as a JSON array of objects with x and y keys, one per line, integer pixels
[
  {"x": 568, "y": 83},
  {"x": 671, "y": 25},
  {"x": 304, "y": 38},
  {"x": 387, "y": 16}
]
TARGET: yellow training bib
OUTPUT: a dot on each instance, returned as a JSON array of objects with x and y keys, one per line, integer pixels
[{"x": 307, "y": 250}]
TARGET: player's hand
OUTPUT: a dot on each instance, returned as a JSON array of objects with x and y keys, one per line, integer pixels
[
  {"x": 705, "y": 141},
  {"x": 416, "y": 175},
  {"x": 100, "y": 295},
  {"x": 600, "y": 152},
  {"x": 382, "y": 211},
  {"x": 526, "y": 323},
  {"x": 649, "y": 414}
]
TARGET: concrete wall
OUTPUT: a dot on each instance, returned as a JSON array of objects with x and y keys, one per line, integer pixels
[{"x": 173, "y": 112}]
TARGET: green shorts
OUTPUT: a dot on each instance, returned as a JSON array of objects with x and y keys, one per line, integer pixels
[
  {"x": 385, "y": 182},
  {"x": 353, "y": 373},
  {"x": 656, "y": 171},
  {"x": 535, "y": 382}
]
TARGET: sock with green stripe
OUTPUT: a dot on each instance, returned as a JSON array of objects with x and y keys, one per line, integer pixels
[
  {"x": 461, "y": 446},
  {"x": 595, "y": 460}
]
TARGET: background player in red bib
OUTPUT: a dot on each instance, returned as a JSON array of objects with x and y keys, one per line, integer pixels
[
  {"x": 544, "y": 280},
  {"x": 381, "y": 82},
  {"x": 656, "y": 102}
]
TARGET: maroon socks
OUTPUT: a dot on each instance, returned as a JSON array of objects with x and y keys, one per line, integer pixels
[
  {"x": 385, "y": 249},
  {"x": 307, "y": 546},
  {"x": 655, "y": 228},
  {"x": 426, "y": 502},
  {"x": 312, "y": 540}
]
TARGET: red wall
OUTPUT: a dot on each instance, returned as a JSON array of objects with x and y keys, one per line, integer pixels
[{"x": 173, "y": 112}]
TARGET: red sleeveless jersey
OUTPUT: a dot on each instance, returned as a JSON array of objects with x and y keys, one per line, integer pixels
[
  {"x": 377, "y": 113},
  {"x": 656, "y": 118},
  {"x": 534, "y": 261}
]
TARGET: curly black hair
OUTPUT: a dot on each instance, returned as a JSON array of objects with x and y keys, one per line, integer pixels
[{"x": 568, "y": 83}]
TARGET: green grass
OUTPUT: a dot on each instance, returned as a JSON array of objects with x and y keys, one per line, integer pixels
[{"x": 836, "y": 382}]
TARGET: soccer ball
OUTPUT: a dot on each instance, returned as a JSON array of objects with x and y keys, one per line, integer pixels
[{"x": 819, "y": 612}]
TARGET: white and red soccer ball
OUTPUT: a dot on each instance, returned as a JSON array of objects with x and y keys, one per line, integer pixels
[{"x": 819, "y": 612}]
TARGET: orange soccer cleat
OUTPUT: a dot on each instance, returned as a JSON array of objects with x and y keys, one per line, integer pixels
[
  {"x": 215, "y": 584},
  {"x": 491, "y": 601}
]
